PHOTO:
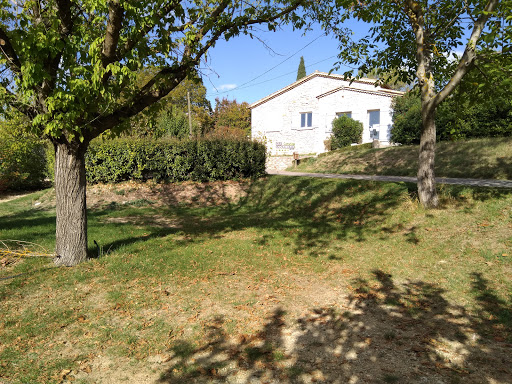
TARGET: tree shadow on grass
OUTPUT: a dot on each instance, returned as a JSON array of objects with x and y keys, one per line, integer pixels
[
  {"x": 388, "y": 333},
  {"x": 309, "y": 213}
]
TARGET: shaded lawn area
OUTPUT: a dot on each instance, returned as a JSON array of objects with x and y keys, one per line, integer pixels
[
  {"x": 489, "y": 158},
  {"x": 297, "y": 280}
]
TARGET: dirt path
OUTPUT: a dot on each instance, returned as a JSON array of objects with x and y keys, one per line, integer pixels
[
  {"x": 406, "y": 179},
  {"x": 4, "y": 197}
]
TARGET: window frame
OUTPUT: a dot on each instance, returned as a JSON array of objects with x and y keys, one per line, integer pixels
[{"x": 347, "y": 113}]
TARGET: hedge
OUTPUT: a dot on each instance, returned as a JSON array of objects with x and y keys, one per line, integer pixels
[
  {"x": 22, "y": 159},
  {"x": 198, "y": 160}
]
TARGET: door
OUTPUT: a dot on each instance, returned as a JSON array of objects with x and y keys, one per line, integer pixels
[{"x": 374, "y": 124}]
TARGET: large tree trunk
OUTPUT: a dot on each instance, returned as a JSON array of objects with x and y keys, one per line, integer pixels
[
  {"x": 70, "y": 184},
  {"x": 426, "y": 178}
]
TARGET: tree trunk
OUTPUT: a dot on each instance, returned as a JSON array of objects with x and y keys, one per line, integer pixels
[
  {"x": 426, "y": 178},
  {"x": 70, "y": 184}
]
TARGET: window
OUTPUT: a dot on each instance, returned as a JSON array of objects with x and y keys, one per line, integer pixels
[
  {"x": 348, "y": 114},
  {"x": 306, "y": 119}
]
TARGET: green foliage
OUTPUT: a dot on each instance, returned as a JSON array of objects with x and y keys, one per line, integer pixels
[
  {"x": 81, "y": 60},
  {"x": 173, "y": 123},
  {"x": 22, "y": 157},
  {"x": 169, "y": 117},
  {"x": 301, "y": 71},
  {"x": 459, "y": 117},
  {"x": 346, "y": 131},
  {"x": 199, "y": 160},
  {"x": 406, "y": 119},
  {"x": 391, "y": 39},
  {"x": 233, "y": 117}
]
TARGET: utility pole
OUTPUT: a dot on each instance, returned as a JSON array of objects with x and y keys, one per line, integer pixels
[{"x": 189, "y": 115}]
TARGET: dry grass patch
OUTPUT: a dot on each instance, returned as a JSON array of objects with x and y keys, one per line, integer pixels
[
  {"x": 479, "y": 158},
  {"x": 293, "y": 280}
]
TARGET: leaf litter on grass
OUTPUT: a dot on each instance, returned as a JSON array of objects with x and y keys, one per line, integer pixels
[{"x": 259, "y": 290}]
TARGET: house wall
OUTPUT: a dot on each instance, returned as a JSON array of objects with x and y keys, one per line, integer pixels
[
  {"x": 277, "y": 121},
  {"x": 359, "y": 104}
]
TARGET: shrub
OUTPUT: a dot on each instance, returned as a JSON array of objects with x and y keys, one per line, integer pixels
[
  {"x": 198, "y": 160},
  {"x": 22, "y": 158},
  {"x": 346, "y": 131}
]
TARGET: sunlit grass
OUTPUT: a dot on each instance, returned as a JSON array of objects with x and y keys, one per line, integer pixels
[
  {"x": 489, "y": 158},
  {"x": 162, "y": 273}
]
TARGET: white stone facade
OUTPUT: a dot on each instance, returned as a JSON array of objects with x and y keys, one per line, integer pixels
[{"x": 276, "y": 119}]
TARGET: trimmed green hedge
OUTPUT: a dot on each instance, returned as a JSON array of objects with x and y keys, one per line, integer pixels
[{"x": 197, "y": 160}]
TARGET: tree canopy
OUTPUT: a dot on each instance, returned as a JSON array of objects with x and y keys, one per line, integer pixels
[
  {"x": 168, "y": 117},
  {"x": 72, "y": 68},
  {"x": 231, "y": 116}
]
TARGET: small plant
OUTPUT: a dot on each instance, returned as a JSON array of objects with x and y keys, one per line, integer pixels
[
  {"x": 140, "y": 203},
  {"x": 388, "y": 378},
  {"x": 390, "y": 335}
]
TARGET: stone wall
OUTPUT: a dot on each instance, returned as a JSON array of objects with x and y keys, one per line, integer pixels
[{"x": 278, "y": 163}]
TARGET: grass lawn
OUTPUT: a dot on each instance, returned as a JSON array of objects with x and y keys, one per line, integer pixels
[
  {"x": 479, "y": 158},
  {"x": 291, "y": 280}
]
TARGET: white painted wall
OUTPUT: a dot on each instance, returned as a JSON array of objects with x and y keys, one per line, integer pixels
[
  {"x": 277, "y": 120},
  {"x": 358, "y": 104}
]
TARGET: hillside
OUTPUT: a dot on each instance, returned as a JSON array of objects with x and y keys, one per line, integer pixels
[{"x": 479, "y": 158}]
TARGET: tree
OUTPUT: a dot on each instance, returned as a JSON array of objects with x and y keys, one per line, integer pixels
[
  {"x": 71, "y": 67},
  {"x": 417, "y": 39},
  {"x": 229, "y": 115},
  {"x": 301, "y": 71},
  {"x": 168, "y": 117}
]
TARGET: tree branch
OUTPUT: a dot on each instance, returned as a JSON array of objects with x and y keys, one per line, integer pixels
[
  {"x": 170, "y": 77},
  {"x": 114, "y": 25},
  {"x": 9, "y": 53},
  {"x": 131, "y": 43},
  {"x": 26, "y": 110},
  {"x": 64, "y": 12},
  {"x": 469, "y": 53},
  {"x": 438, "y": 30}
]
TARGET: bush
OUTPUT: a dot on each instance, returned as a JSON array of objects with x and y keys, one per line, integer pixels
[
  {"x": 22, "y": 158},
  {"x": 198, "y": 160},
  {"x": 345, "y": 131}
]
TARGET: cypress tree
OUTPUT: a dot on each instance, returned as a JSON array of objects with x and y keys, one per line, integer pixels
[{"x": 301, "y": 71}]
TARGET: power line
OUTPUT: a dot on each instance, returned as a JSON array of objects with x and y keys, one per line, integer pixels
[
  {"x": 278, "y": 77},
  {"x": 245, "y": 85},
  {"x": 275, "y": 66}
]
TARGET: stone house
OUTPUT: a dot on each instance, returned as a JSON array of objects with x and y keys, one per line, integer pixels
[{"x": 298, "y": 118}]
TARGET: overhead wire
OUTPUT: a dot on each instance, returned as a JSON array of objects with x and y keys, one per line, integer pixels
[
  {"x": 271, "y": 69},
  {"x": 248, "y": 83}
]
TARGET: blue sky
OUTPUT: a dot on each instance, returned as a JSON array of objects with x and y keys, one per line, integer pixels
[{"x": 243, "y": 68}]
